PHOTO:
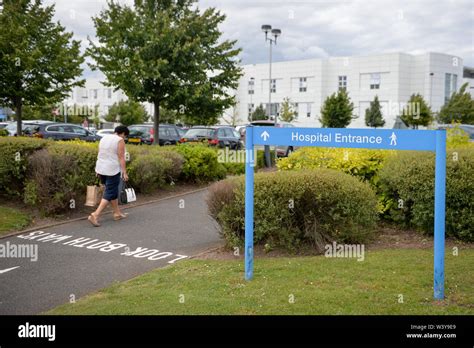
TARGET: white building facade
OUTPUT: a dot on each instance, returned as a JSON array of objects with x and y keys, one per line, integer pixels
[
  {"x": 95, "y": 93},
  {"x": 393, "y": 77}
]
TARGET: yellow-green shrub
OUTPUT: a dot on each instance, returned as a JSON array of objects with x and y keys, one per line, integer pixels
[{"x": 362, "y": 163}]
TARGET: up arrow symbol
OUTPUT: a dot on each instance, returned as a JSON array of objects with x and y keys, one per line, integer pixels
[{"x": 265, "y": 136}]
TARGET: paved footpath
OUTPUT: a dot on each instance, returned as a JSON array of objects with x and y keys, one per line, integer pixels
[{"x": 76, "y": 258}]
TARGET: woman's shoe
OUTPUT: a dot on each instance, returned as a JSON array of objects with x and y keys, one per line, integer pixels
[
  {"x": 93, "y": 220},
  {"x": 120, "y": 216}
]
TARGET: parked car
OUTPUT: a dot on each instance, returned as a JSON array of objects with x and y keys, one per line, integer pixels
[
  {"x": 468, "y": 128},
  {"x": 221, "y": 136},
  {"x": 4, "y": 125},
  {"x": 59, "y": 131},
  {"x": 103, "y": 132},
  {"x": 282, "y": 151},
  {"x": 144, "y": 134},
  {"x": 182, "y": 131},
  {"x": 25, "y": 126}
]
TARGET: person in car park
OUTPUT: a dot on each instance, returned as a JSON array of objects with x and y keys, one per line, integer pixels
[{"x": 110, "y": 167}]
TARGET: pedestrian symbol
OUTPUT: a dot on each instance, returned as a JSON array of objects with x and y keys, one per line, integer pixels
[{"x": 393, "y": 139}]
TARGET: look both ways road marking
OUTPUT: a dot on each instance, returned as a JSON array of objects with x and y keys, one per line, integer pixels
[{"x": 103, "y": 246}]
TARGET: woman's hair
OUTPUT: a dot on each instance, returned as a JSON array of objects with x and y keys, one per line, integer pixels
[{"x": 122, "y": 130}]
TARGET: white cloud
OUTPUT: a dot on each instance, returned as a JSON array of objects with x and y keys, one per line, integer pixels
[{"x": 321, "y": 28}]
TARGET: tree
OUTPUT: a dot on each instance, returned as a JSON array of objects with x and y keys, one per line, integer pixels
[
  {"x": 287, "y": 114},
  {"x": 459, "y": 108},
  {"x": 373, "y": 114},
  {"x": 127, "y": 112},
  {"x": 336, "y": 111},
  {"x": 39, "y": 62},
  {"x": 417, "y": 112},
  {"x": 170, "y": 54},
  {"x": 258, "y": 114}
]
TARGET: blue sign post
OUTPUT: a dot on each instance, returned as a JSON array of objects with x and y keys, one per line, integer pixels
[{"x": 391, "y": 139}]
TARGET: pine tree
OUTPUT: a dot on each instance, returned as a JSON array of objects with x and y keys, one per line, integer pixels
[
  {"x": 336, "y": 111},
  {"x": 459, "y": 108},
  {"x": 373, "y": 115},
  {"x": 417, "y": 112},
  {"x": 258, "y": 114}
]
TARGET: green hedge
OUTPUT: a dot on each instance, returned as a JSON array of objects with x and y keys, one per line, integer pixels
[
  {"x": 407, "y": 180},
  {"x": 49, "y": 174},
  {"x": 14, "y": 152},
  {"x": 297, "y": 208}
]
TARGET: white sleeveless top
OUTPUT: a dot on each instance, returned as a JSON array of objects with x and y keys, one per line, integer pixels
[{"x": 108, "y": 161}]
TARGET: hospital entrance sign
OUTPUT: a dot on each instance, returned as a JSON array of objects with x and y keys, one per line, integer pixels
[{"x": 389, "y": 139}]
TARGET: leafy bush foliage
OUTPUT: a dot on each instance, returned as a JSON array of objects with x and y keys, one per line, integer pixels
[
  {"x": 408, "y": 179},
  {"x": 362, "y": 163},
  {"x": 297, "y": 208},
  {"x": 200, "y": 164},
  {"x": 14, "y": 152}
]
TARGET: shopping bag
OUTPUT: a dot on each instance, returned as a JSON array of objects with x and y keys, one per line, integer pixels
[
  {"x": 127, "y": 194},
  {"x": 93, "y": 195}
]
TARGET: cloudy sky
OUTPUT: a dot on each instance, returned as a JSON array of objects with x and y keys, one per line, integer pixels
[{"x": 322, "y": 28}]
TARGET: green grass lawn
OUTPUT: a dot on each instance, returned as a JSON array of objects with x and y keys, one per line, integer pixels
[
  {"x": 12, "y": 219},
  {"x": 319, "y": 285}
]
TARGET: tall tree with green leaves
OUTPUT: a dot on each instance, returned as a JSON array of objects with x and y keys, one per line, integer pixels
[
  {"x": 258, "y": 114},
  {"x": 39, "y": 61},
  {"x": 169, "y": 53},
  {"x": 287, "y": 114},
  {"x": 417, "y": 112},
  {"x": 459, "y": 108},
  {"x": 336, "y": 111},
  {"x": 373, "y": 114},
  {"x": 127, "y": 112}
]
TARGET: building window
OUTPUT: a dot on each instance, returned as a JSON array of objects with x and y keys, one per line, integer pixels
[
  {"x": 374, "y": 81},
  {"x": 251, "y": 86},
  {"x": 274, "y": 110},
  {"x": 273, "y": 86},
  {"x": 109, "y": 93},
  {"x": 94, "y": 93},
  {"x": 342, "y": 83},
  {"x": 303, "y": 84},
  {"x": 251, "y": 108},
  {"x": 308, "y": 110},
  {"x": 84, "y": 93},
  {"x": 450, "y": 85}
]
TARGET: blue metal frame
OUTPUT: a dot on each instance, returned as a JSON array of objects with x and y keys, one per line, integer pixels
[{"x": 409, "y": 140}]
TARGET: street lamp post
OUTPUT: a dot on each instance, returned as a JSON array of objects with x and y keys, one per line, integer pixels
[
  {"x": 267, "y": 29},
  {"x": 431, "y": 90}
]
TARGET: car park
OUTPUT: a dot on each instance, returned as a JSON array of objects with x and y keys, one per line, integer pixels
[
  {"x": 220, "y": 136},
  {"x": 143, "y": 134},
  {"x": 59, "y": 131},
  {"x": 467, "y": 128}
]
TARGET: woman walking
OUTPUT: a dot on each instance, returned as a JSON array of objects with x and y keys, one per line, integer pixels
[{"x": 110, "y": 166}]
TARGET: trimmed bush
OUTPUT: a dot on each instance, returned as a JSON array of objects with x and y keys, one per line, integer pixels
[
  {"x": 362, "y": 163},
  {"x": 200, "y": 164},
  {"x": 297, "y": 208},
  {"x": 149, "y": 172},
  {"x": 58, "y": 176},
  {"x": 407, "y": 179},
  {"x": 14, "y": 152}
]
